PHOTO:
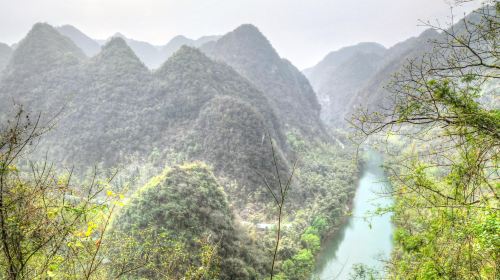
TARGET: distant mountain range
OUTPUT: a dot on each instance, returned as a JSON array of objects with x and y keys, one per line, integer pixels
[
  {"x": 344, "y": 80},
  {"x": 218, "y": 103},
  {"x": 339, "y": 76},
  {"x": 356, "y": 76},
  {"x": 152, "y": 56},
  {"x": 114, "y": 106},
  {"x": 113, "y": 111},
  {"x": 111, "y": 90}
]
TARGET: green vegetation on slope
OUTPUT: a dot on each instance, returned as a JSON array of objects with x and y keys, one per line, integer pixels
[
  {"x": 118, "y": 113},
  {"x": 187, "y": 204},
  {"x": 288, "y": 91},
  {"x": 445, "y": 170}
]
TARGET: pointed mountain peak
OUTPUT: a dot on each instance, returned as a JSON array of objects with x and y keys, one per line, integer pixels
[
  {"x": 250, "y": 34},
  {"x": 45, "y": 49},
  {"x": 119, "y": 64},
  {"x": 41, "y": 27},
  {"x": 190, "y": 51},
  {"x": 248, "y": 30},
  {"x": 187, "y": 60},
  {"x": 179, "y": 39},
  {"x": 118, "y": 35},
  {"x": 116, "y": 51},
  {"x": 116, "y": 42},
  {"x": 176, "y": 42},
  {"x": 44, "y": 35},
  {"x": 245, "y": 43},
  {"x": 185, "y": 54}
]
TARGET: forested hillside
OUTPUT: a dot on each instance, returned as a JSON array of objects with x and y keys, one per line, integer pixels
[
  {"x": 338, "y": 77},
  {"x": 250, "y": 53},
  {"x": 355, "y": 77},
  {"x": 111, "y": 112}
]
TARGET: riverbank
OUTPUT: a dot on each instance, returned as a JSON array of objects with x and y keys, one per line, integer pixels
[{"x": 361, "y": 239}]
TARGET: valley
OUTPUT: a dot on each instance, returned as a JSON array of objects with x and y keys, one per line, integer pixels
[{"x": 217, "y": 158}]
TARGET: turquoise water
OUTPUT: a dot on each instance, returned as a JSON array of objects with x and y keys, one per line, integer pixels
[{"x": 364, "y": 238}]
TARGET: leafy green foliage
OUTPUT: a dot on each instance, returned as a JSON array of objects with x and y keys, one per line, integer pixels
[
  {"x": 327, "y": 177},
  {"x": 299, "y": 266},
  {"x": 326, "y": 191},
  {"x": 363, "y": 272},
  {"x": 186, "y": 204},
  {"x": 445, "y": 174},
  {"x": 50, "y": 225}
]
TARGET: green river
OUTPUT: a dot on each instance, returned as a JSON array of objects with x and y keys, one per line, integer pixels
[{"x": 364, "y": 238}]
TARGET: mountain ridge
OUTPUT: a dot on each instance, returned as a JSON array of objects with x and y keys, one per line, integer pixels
[
  {"x": 88, "y": 45},
  {"x": 251, "y": 54},
  {"x": 355, "y": 76}
]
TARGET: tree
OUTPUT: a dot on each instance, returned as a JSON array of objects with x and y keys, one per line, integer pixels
[
  {"x": 55, "y": 226},
  {"x": 279, "y": 197},
  {"x": 446, "y": 180},
  {"x": 363, "y": 272},
  {"x": 300, "y": 266},
  {"x": 48, "y": 226}
]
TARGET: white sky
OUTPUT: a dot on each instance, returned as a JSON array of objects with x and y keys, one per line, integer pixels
[{"x": 302, "y": 31}]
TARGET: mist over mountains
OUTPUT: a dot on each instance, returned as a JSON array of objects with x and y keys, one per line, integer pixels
[
  {"x": 343, "y": 80},
  {"x": 355, "y": 76},
  {"x": 221, "y": 104},
  {"x": 204, "y": 134},
  {"x": 115, "y": 95},
  {"x": 152, "y": 56},
  {"x": 338, "y": 76}
]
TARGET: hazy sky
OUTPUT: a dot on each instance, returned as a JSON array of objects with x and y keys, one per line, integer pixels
[{"x": 302, "y": 31}]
